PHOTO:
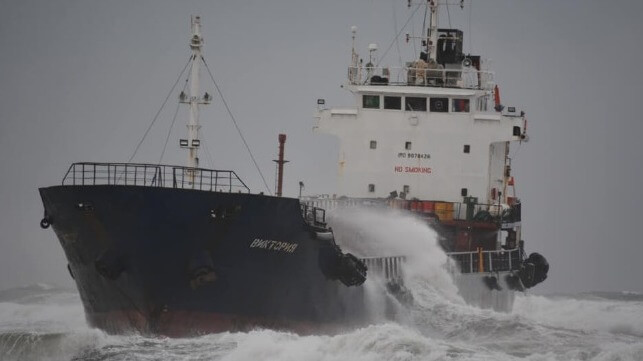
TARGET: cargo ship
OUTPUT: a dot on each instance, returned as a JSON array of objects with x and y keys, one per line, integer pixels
[
  {"x": 183, "y": 250},
  {"x": 431, "y": 137}
]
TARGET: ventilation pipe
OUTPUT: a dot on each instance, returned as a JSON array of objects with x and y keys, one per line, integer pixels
[{"x": 280, "y": 165}]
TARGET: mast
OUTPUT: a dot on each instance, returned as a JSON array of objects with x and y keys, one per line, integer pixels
[
  {"x": 196, "y": 42},
  {"x": 433, "y": 30}
]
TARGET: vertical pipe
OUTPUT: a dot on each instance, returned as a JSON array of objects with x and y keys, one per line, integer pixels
[
  {"x": 480, "y": 260},
  {"x": 490, "y": 263},
  {"x": 280, "y": 164},
  {"x": 471, "y": 262}
]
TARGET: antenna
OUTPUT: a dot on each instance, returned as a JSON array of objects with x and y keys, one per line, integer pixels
[{"x": 353, "y": 74}]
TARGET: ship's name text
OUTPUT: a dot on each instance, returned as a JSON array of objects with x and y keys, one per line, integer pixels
[{"x": 277, "y": 246}]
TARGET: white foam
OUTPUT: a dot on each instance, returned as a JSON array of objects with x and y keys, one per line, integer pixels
[
  {"x": 381, "y": 342},
  {"x": 624, "y": 317},
  {"x": 35, "y": 316}
]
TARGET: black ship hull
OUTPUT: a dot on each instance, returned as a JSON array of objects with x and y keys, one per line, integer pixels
[{"x": 177, "y": 262}]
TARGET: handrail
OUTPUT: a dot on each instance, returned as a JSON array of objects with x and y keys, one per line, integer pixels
[
  {"x": 153, "y": 175},
  {"x": 390, "y": 268},
  {"x": 465, "y": 78},
  {"x": 485, "y": 261},
  {"x": 492, "y": 213}
]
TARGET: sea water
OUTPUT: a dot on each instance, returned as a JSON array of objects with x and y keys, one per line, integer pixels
[{"x": 43, "y": 322}]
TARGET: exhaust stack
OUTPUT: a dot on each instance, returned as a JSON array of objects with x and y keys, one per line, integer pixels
[{"x": 280, "y": 165}]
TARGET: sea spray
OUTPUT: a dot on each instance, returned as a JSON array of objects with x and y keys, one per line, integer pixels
[{"x": 386, "y": 232}]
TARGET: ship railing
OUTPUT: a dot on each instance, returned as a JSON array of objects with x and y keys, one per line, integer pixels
[
  {"x": 154, "y": 175},
  {"x": 492, "y": 213},
  {"x": 331, "y": 204},
  {"x": 485, "y": 261},
  {"x": 411, "y": 75},
  {"x": 390, "y": 268},
  {"x": 506, "y": 215}
]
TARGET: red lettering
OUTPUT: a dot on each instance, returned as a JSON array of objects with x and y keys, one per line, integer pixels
[
  {"x": 421, "y": 170},
  {"x": 425, "y": 170}
]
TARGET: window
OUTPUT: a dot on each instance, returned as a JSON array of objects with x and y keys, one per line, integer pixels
[
  {"x": 482, "y": 103},
  {"x": 393, "y": 103},
  {"x": 371, "y": 101},
  {"x": 415, "y": 104},
  {"x": 406, "y": 189},
  {"x": 439, "y": 105},
  {"x": 460, "y": 105},
  {"x": 371, "y": 188},
  {"x": 467, "y": 148},
  {"x": 464, "y": 192},
  {"x": 407, "y": 145},
  {"x": 373, "y": 144}
]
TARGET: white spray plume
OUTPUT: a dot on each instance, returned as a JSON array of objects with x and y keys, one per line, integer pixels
[{"x": 370, "y": 232}]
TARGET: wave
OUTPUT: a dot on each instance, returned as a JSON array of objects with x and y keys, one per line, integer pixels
[
  {"x": 47, "y": 323},
  {"x": 599, "y": 314}
]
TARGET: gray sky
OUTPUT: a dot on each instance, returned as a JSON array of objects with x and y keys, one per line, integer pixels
[{"x": 81, "y": 80}]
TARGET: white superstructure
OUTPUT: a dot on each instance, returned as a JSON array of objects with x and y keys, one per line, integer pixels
[{"x": 429, "y": 130}]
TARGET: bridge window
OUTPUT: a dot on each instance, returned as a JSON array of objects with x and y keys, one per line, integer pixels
[
  {"x": 371, "y": 101},
  {"x": 371, "y": 188},
  {"x": 415, "y": 104},
  {"x": 464, "y": 192},
  {"x": 407, "y": 145},
  {"x": 406, "y": 189},
  {"x": 373, "y": 144},
  {"x": 467, "y": 148},
  {"x": 460, "y": 105},
  {"x": 393, "y": 103},
  {"x": 440, "y": 105}
]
